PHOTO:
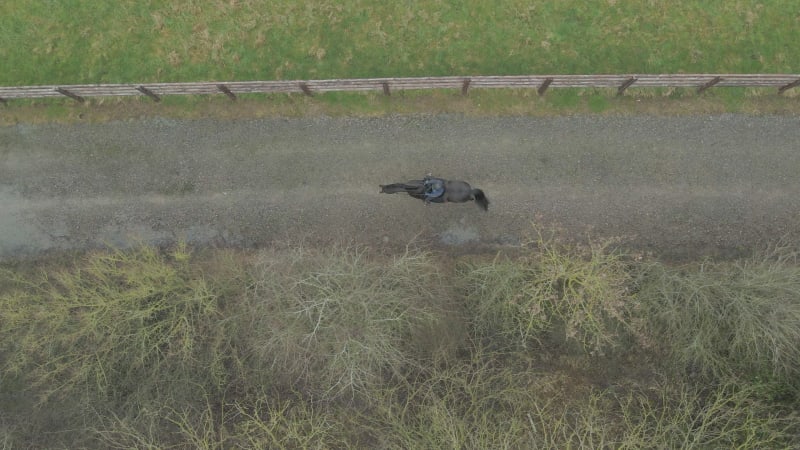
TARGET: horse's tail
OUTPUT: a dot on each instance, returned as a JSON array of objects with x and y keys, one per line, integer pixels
[{"x": 480, "y": 199}]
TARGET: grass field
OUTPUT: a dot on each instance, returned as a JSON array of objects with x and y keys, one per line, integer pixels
[
  {"x": 553, "y": 346},
  {"x": 85, "y": 41},
  {"x": 129, "y": 41}
]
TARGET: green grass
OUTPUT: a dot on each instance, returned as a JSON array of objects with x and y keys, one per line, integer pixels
[
  {"x": 82, "y": 41},
  {"x": 553, "y": 346}
]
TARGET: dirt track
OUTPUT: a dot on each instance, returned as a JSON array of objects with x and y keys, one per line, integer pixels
[{"x": 676, "y": 186}]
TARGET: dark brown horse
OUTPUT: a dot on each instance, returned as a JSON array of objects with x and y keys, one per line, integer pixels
[{"x": 437, "y": 190}]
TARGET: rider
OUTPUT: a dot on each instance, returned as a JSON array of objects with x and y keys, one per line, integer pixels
[{"x": 434, "y": 188}]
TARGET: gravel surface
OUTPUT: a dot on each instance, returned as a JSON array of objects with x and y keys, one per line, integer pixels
[{"x": 675, "y": 186}]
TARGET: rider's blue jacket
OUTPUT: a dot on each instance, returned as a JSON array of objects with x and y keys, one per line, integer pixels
[{"x": 434, "y": 188}]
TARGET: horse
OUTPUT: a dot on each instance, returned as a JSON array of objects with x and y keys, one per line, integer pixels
[{"x": 438, "y": 190}]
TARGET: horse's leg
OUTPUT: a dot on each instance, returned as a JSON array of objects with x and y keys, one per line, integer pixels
[
  {"x": 413, "y": 188},
  {"x": 395, "y": 188}
]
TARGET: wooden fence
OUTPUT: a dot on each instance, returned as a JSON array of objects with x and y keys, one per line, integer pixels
[{"x": 541, "y": 83}]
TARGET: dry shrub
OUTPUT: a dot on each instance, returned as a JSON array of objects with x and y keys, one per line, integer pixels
[
  {"x": 113, "y": 324},
  {"x": 336, "y": 322},
  {"x": 581, "y": 293},
  {"x": 730, "y": 319}
]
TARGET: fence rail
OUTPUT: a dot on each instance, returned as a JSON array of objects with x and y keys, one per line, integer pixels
[{"x": 541, "y": 83}]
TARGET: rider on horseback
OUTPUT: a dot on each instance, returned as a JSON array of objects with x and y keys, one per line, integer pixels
[{"x": 438, "y": 190}]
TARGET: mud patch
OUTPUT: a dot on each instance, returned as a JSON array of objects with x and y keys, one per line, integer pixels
[
  {"x": 459, "y": 234},
  {"x": 17, "y": 235}
]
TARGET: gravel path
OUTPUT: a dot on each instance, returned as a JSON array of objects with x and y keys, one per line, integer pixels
[{"x": 680, "y": 186}]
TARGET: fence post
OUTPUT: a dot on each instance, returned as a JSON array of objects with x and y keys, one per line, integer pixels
[
  {"x": 625, "y": 85},
  {"x": 224, "y": 89},
  {"x": 707, "y": 85},
  {"x": 306, "y": 90},
  {"x": 386, "y": 91},
  {"x": 69, "y": 94},
  {"x": 543, "y": 87},
  {"x": 148, "y": 93},
  {"x": 465, "y": 85},
  {"x": 784, "y": 88}
]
